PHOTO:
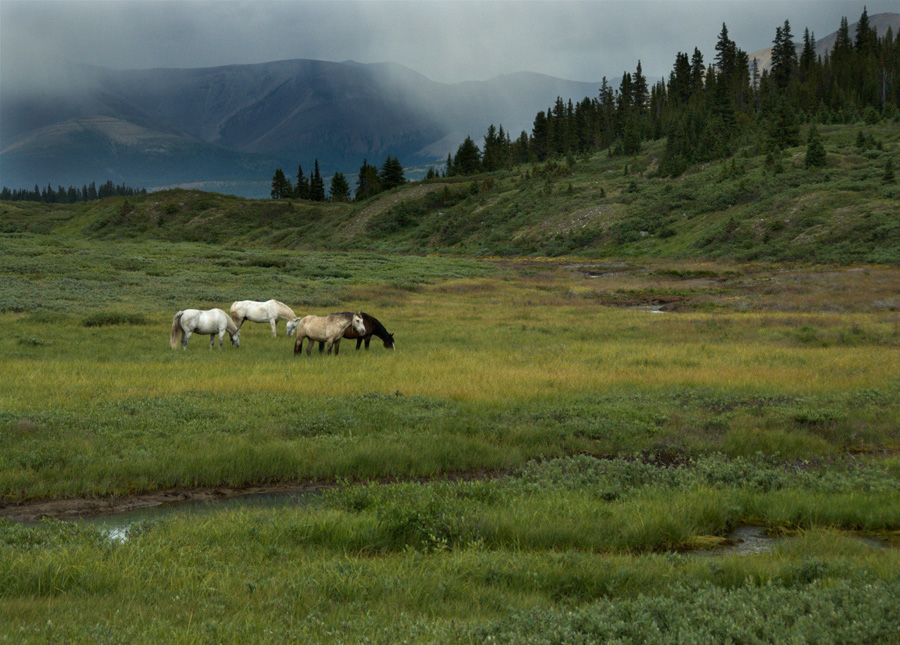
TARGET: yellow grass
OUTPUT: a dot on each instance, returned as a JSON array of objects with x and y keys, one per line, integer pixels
[{"x": 449, "y": 347}]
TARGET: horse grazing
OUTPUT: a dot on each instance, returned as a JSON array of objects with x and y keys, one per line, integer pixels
[
  {"x": 328, "y": 329},
  {"x": 373, "y": 328},
  {"x": 270, "y": 311},
  {"x": 212, "y": 321}
]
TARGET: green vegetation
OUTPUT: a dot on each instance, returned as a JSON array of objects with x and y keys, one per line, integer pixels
[
  {"x": 737, "y": 209},
  {"x": 545, "y": 457},
  {"x": 537, "y": 461}
]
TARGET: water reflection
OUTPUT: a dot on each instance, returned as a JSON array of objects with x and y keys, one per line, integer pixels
[
  {"x": 751, "y": 540},
  {"x": 116, "y": 526}
]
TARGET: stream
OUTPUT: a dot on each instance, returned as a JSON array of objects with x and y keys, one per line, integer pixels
[
  {"x": 117, "y": 525},
  {"x": 743, "y": 540}
]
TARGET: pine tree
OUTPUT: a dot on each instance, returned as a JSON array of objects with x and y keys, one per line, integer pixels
[
  {"x": 301, "y": 189},
  {"x": 316, "y": 185},
  {"x": 391, "y": 174},
  {"x": 540, "y": 137},
  {"x": 281, "y": 187},
  {"x": 784, "y": 56},
  {"x": 340, "y": 189},
  {"x": 815, "y": 150},
  {"x": 726, "y": 54},
  {"x": 467, "y": 160},
  {"x": 367, "y": 183},
  {"x": 866, "y": 38}
]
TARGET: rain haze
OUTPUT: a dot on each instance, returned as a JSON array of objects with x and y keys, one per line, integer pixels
[{"x": 448, "y": 42}]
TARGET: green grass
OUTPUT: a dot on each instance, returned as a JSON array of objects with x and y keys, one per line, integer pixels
[
  {"x": 496, "y": 365},
  {"x": 572, "y": 549},
  {"x": 735, "y": 209},
  {"x": 538, "y": 461}
]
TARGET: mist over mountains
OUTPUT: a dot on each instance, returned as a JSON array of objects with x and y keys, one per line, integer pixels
[{"x": 236, "y": 124}]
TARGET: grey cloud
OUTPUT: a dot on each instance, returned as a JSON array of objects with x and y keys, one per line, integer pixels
[{"x": 447, "y": 41}]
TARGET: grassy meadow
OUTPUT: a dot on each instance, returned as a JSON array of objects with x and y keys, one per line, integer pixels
[{"x": 537, "y": 461}]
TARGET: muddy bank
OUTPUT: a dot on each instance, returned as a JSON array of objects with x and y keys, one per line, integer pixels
[{"x": 85, "y": 507}]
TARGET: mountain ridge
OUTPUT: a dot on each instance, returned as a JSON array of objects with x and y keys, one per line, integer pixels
[{"x": 241, "y": 121}]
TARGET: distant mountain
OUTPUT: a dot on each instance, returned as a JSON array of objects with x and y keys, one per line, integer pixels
[
  {"x": 234, "y": 123},
  {"x": 880, "y": 22}
]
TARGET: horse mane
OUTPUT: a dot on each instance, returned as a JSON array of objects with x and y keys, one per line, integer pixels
[
  {"x": 230, "y": 325},
  {"x": 380, "y": 330},
  {"x": 287, "y": 309}
]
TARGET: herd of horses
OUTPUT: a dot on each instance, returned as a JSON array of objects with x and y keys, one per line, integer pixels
[{"x": 326, "y": 330}]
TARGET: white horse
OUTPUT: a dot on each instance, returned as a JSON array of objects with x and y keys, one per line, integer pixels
[
  {"x": 328, "y": 328},
  {"x": 270, "y": 311},
  {"x": 212, "y": 321}
]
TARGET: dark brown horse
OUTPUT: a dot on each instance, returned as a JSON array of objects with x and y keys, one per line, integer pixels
[{"x": 373, "y": 328}]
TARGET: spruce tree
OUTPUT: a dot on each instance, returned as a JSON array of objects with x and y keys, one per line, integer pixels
[
  {"x": 784, "y": 56},
  {"x": 367, "y": 183},
  {"x": 317, "y": 185},
  {"x": 301, "y": 189},
  {"x": 815, "y": 150},
  {"x": 281, "y": 187},
  {"x": 467, "y": 160},
  {"x": 340, "y": 189},
  {"x": 391, "y": 174}
]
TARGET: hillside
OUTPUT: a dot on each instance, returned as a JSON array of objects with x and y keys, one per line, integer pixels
[{"x": 740, "y": 209}]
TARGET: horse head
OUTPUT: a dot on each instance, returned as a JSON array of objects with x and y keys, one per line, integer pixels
[
  {"x": 236, "y": 338},
  {"x": 389, "y": 341},
  {"x": 358, "y": 324},
  {"x": 292, "y": 326}
]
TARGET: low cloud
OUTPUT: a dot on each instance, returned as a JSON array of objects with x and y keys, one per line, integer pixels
[{"x": 447, "y": 41}]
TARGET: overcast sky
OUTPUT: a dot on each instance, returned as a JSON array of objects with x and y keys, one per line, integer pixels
[{"x": 448, "y": 41}]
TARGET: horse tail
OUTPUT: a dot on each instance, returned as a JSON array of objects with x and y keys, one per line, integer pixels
[
  {"x": 235, "y": 313},
  {"x": 176, "y": 323}
]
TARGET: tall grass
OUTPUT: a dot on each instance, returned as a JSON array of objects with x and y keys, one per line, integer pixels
[
  {"x": 494, "y": 366},
  {"x": 468, "y": 561},
  {"x": 627, "y": 438}
]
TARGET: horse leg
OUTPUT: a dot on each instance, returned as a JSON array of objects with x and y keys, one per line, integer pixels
[
  {"x": 322, "y": 346},
  {"x": 298, "y": 345},
  {"x": 274, "y": 323},
  {"x": 359, "y": 342},
  {"x": 212, "y": 339},
  {"x": 337, "y": 345},
  {"x": 368, "y": 340},
  {"x": 185, "y": 335}
]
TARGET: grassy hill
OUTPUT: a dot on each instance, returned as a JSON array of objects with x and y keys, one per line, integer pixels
[{"x": 745, "y": 208}]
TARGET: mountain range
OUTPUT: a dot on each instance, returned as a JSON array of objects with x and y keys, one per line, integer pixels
[
  {"x": 228, "y": 128},
  {"x": 236, "y": 124}
]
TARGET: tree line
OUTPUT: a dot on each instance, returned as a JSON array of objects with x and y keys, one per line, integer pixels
[
  {"x": 370, "y": 181},
  {"x": 706, "y": 110},
  {"x": 70, "y": 195},
  {"x": 703, "y": 110}
]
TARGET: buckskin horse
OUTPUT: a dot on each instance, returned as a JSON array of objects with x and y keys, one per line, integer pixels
[
  {"x": 373, "y": 328},
  {"x": 326, "y": 329}
]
